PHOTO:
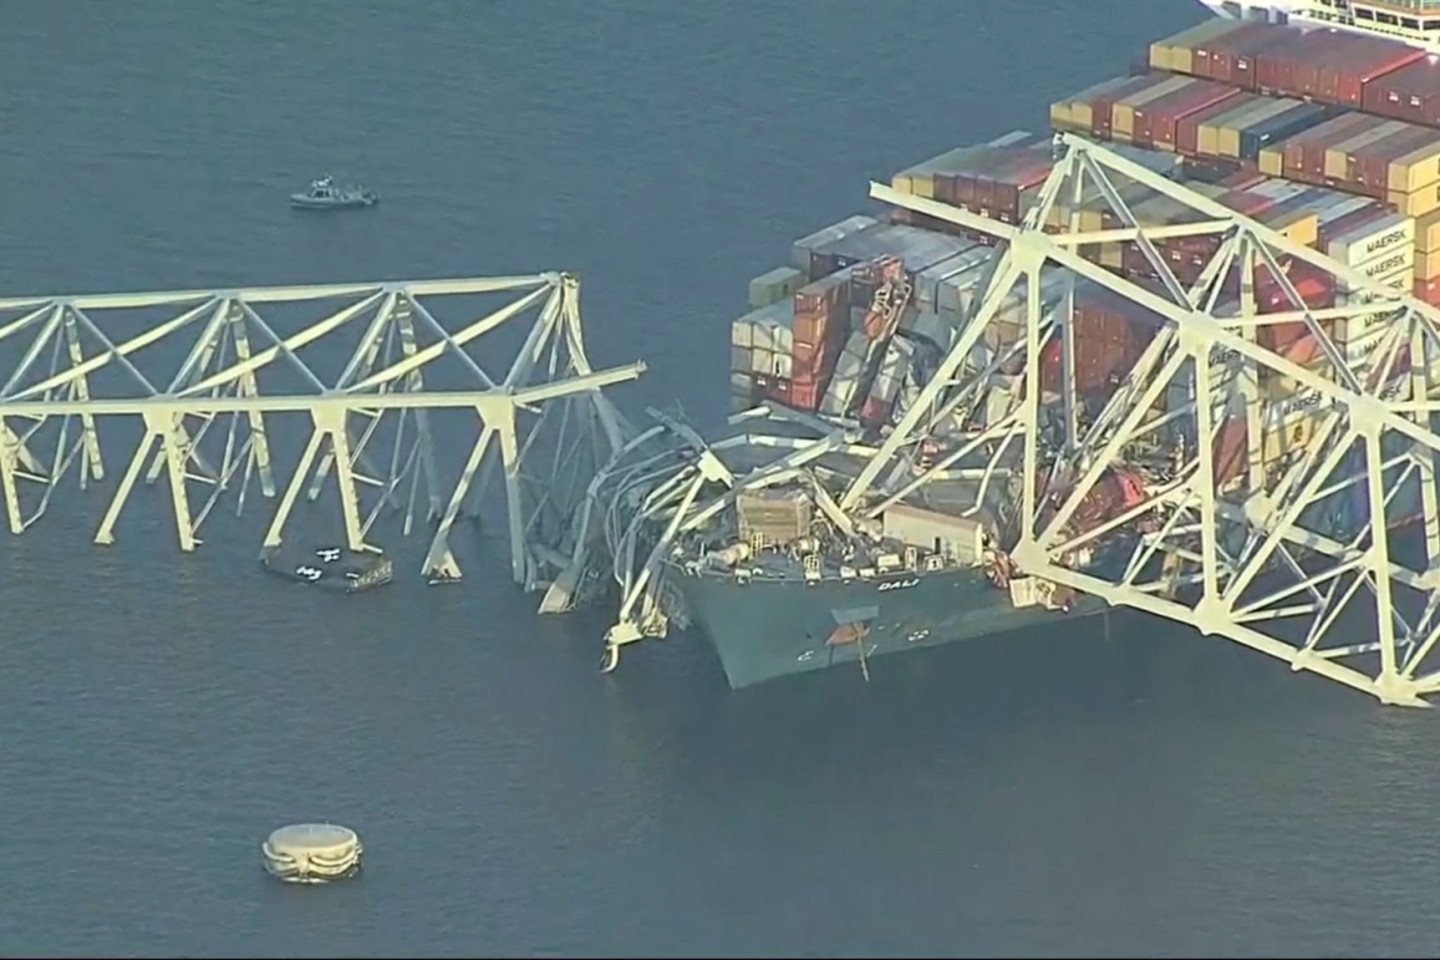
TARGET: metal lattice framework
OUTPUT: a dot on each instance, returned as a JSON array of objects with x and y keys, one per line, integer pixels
[
  {"x": 207, "y": 382},
  {"x": 1249, "y": 560},
  {"x": 1322, "y": 553}
]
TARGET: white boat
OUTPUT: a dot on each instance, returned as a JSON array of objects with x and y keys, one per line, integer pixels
[
  {"x": 1416, "y": 22},
  {"x": 325, "y": 194}
]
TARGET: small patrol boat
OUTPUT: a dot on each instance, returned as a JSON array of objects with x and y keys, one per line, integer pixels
[
  {"x": 329, "y": 567},
  {"x": 325, "y": 194}
]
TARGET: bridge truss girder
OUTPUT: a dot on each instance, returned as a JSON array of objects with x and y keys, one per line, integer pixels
[
  {"x": 205, "y": 423},
  {"x": 1251, "y": 560}
]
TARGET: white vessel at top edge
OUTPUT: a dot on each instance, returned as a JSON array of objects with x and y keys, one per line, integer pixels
[{"x": 1416, "y": 22}]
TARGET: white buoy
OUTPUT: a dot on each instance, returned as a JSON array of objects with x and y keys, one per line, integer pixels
[{"x": 312, "y": 853}]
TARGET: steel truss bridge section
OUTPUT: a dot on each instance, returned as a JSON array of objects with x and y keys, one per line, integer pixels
[
  {"x": 1321, "y": 550},
  {"x": 1325, "y": 555},
  {"x": 205, "y": 374}
]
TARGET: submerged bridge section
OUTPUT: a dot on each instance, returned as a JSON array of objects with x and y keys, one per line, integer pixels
[{"x": 206, "y": 383}]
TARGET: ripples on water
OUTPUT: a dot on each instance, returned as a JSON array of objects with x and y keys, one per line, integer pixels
[{"x": 1054, "y": 794}]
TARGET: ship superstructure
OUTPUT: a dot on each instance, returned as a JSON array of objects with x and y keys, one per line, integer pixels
[{"x": 1414, "y": 22}]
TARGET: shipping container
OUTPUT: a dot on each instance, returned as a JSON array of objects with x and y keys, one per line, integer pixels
[
  {"x": 1428, "y": 291},
  {"x": 1297, "y": 119},
  {"x": 1411, "y": 93},
  {"x": 800, "y": 257},
  {"x": 1427, "y": 265},
  {"x": 1427, "y": 232},
  {"x": 1417, "y": 203},
  {"x": 1174, "y": 52}
]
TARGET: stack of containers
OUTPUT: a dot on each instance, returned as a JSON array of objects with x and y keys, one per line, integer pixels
[
  {"x": 822, "y": 311},
  {"x": 917, "y": 249},
  {"x": 1389, "y": 160},
  {"x": 1110, "y": 334},
  {"x": 919, "y": 180},
  {"x": 802, "y": 251},
  {"x": 1176, "y": 54},
  {"x": 997, "y": 182},
  {"x": 1410, "y": 93},
  {"x": 1091, "y": 111},
  {"x": 761, "y": 352},
  {"x": 1330, "y": 67}
]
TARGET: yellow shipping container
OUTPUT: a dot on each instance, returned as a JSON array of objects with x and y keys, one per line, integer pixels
[
  {"x": 1416, "y": 203},
  {"x": 1427, "y": 233},
  {"x": 1062, "y": 116},
  {"x": 1291, "y": 435},
  {"x": 1297, "y": 226},
  {"x": 1417, "y": 169},
  {"x": 1272, "y": 161},
  {"x": 1427, "y": 265}
]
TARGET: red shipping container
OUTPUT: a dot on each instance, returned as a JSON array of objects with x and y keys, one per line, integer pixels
[
  {"x": 1229, "y": 451},
  {"x": 1428, "y": 291},
  {"x": 875, "y": 411},
  {"x": 1410, "y": 93},
  {"x": 806, "y": 396}
]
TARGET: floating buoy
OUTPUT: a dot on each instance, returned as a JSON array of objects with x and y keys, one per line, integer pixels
[{"x": 312, "y": 853}]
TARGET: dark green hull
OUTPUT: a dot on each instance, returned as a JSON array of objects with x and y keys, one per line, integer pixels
[{"x": 768, "y": 629}]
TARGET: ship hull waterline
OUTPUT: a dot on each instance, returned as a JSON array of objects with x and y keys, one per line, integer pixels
[{"x": 766, "y": 629}]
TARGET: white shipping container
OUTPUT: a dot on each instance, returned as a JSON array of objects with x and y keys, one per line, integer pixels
[
  {"x": 742, "y": 333},
  {"x": 740, "y": 359},
  {"x": 741, "y": 382},
  {"x": 762, "y": 362},
  {"x": 775, "y": 285},
  {"x": 1380, "y": 240},
  {"x": 839, "y": 396}
]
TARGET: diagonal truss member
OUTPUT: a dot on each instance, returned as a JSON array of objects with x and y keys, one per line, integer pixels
[
  {"x": 1298, "y": 513},
  {"x": 207, "y": 422}
]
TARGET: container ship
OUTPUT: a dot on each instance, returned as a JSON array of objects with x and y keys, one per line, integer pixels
[{"x": 1319, "y": 120}]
